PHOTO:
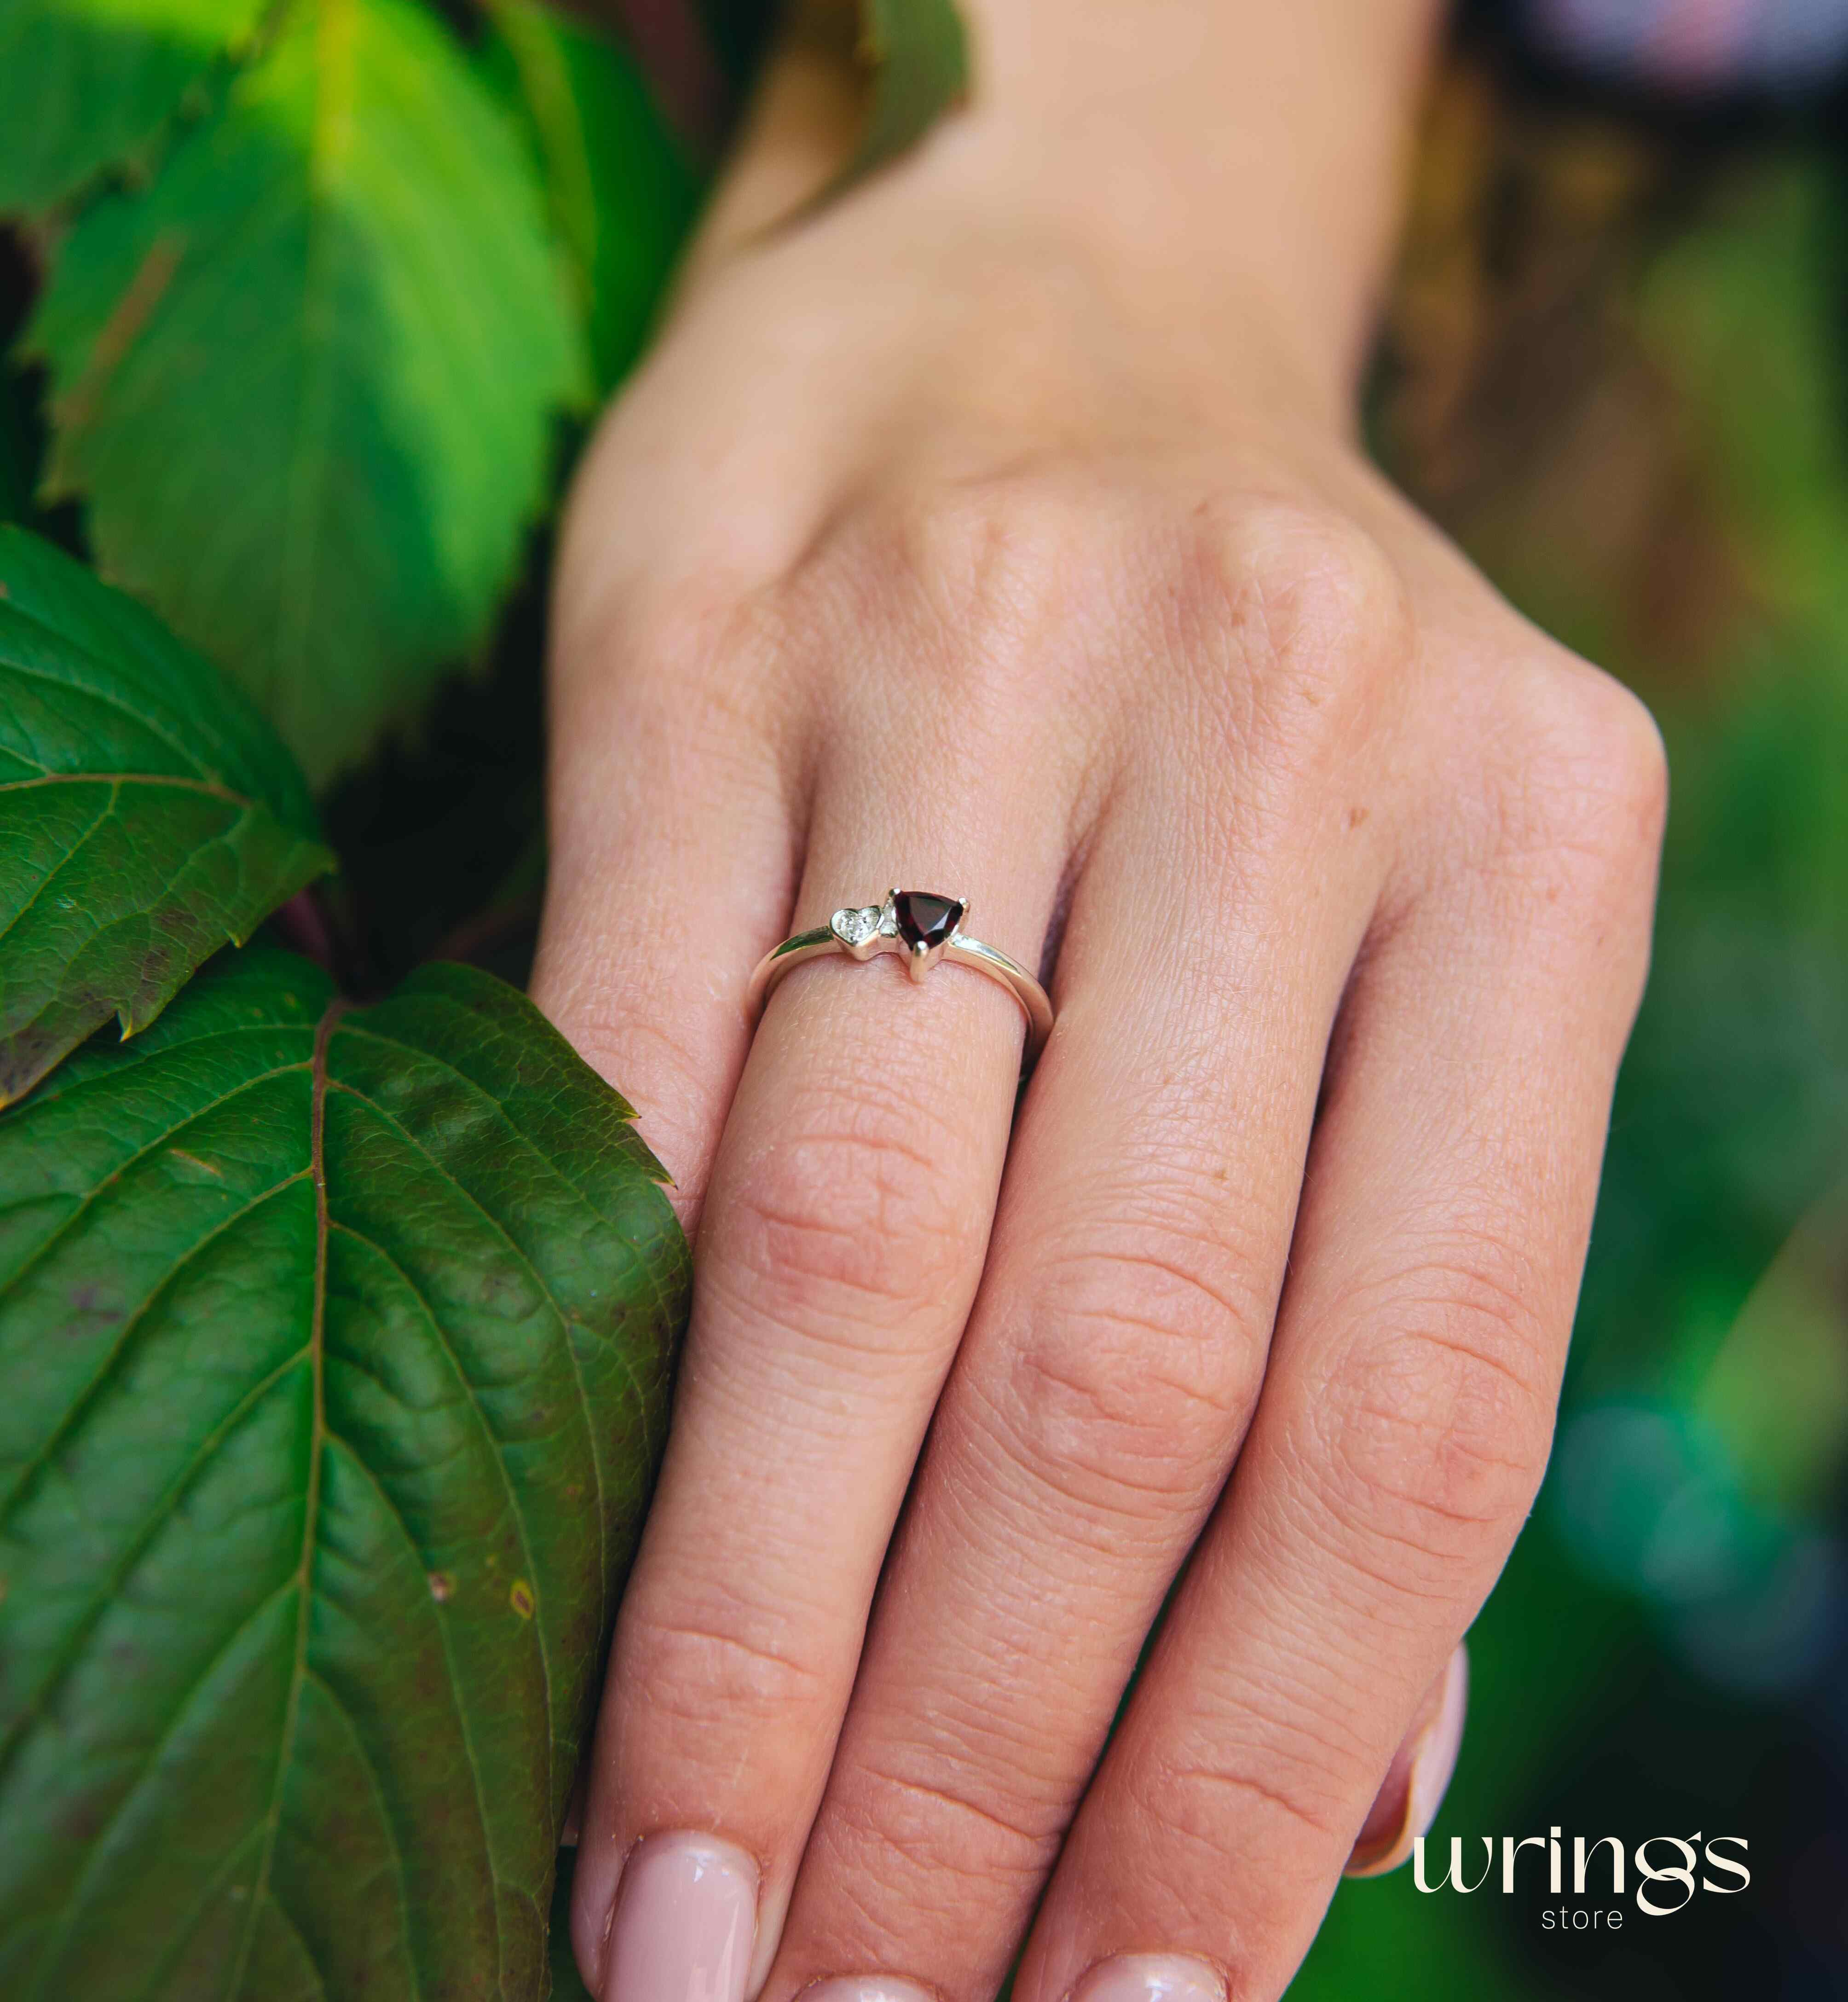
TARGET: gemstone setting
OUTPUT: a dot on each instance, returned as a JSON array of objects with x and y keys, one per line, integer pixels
[
  {"x": 924, "y": 920},
  {"x": 855, "y": 927}
]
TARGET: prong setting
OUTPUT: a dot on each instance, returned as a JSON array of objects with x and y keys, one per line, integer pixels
[{"x": 926, "y": 923}]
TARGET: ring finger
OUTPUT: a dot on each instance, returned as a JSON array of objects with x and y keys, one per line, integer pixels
[{"x": 843, "y": 1237}]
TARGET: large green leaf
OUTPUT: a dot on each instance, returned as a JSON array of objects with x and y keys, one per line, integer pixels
[
  {"x": 621, "y": 188},
  {"x": 86, "y": 84},
  {"x": 147, "y": 814},
  {"x": 305, "y": 381},
  {"x": 336, "y": 1349}
]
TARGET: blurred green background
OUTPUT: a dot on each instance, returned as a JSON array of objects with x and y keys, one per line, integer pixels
[
  {"x": 1614, "y": 369},
  {"x": 1615, "y": 365}
]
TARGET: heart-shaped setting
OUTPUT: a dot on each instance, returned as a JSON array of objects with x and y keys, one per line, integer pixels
[
  {"x": 924, "y": 918},
  {"x": 855, "y": 927}
]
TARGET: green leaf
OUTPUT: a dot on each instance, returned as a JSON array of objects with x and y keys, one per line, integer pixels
[
  {"x": 85, "y": 85},
  {"x": 336, "y": 1349},
  {"x": 147, "y": 814},
  {"x": 622, "y": 191},
  {"x": 919, "y": 55},
  {"x": 305, "y": 382}
]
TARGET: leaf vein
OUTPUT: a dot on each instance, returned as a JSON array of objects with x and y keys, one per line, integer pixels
[
  {"x": 166, "y": 1134},
  {"x": 311, "y": 1507},
  {"x": 12, "y": 664},
  {"x": 386, "y": 1820},
  {"x": 513, "y": 1503},
  {"x": 106, "y": 1366},
  {"x": 147, "y": 1766}
]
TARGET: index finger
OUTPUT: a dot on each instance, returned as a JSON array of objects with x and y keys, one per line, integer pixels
[{"x": 672, "y": 823}]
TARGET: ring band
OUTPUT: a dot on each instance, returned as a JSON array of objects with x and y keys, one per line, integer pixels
[{"x": 925, "y": 926}]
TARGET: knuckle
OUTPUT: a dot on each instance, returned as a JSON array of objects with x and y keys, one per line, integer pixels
[
  {"x": 859, "y": 1208},
  {"x": 695, "y": 662},
  {"x": 902, "y": 1860},
  {"x": 1437, "y": 1422},
  {"x": 1002, "y": 545},
  {"x": 1585, "y": 783},
  {"x": 1318, "y": 581},
  {"x": 938, "y": 1821},
  {"x": 646, "y": 640},
  {"x": 994, "y": 580},
  {"x": 1211, "y": 1794},
  {"x": 1303, "y": 623},
  {"x": 675, "y": 704},
  {"x": 1131, "y": 1369},
  {"x": 733, "y": 1661}
]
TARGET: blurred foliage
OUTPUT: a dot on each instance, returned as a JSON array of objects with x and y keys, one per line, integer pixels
[
  {"x": 151, "y": 816},
  {"x": 323, "y": 292},
  {"x": 87, "y": 84},
  {"x": 324, "y": 277},
  {"x": 1616, "y": 367},
  {"x": 918, "y": 46},
  {"x": 621, "y": 192},
  {"x": 305, "y": 379}
]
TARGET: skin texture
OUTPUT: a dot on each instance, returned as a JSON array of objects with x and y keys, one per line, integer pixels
[{"x": 1000, "y": 529}]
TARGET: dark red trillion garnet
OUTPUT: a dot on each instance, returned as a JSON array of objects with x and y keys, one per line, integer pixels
[{"x": 924, "y": 918}]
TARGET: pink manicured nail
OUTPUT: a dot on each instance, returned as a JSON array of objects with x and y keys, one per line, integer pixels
[
  {"x": 686, "y": 1915},
  {"x": 864, "y": 1988},
  {"x": 1150, "y": 1977},
  {"x": 1408, "y": 1802}
]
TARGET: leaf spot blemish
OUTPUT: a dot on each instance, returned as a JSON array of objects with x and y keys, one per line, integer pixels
[
  {"x": 442, "y": 1587},
  {"x": 89, "y": 1305},
  {"x": 521, "y": 1598}
]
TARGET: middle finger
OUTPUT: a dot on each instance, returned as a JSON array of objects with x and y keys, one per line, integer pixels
[{"x": 1100, "y": 1394}]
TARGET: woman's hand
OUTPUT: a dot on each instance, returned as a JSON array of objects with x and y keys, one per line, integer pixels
[{"x": 993, "y": 546}]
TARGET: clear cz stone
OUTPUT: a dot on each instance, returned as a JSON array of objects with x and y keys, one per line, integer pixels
[{"x": 855, "y": 927}]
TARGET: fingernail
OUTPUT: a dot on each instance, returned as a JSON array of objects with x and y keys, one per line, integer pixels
[
  {"x": 1407, "y": 1804},
  {"x": 1151, "y": 1977},
  {"x": 686, "y": 1914},
  {"x": 865, "y": 1988}
]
